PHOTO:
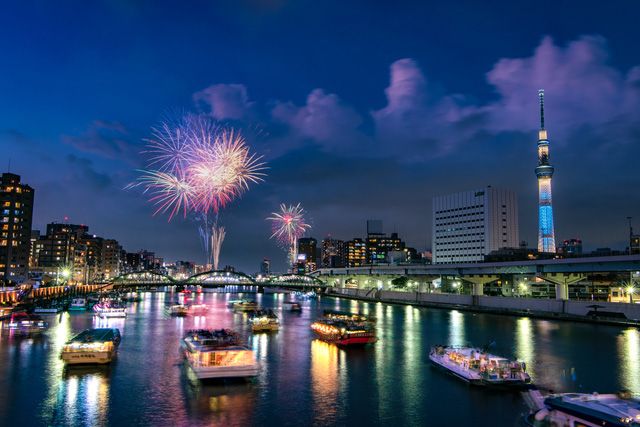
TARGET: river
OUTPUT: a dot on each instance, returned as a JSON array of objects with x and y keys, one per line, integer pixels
[{"x": 304, "y": 381}]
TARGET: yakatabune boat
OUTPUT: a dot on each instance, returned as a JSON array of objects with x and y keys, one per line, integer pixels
[
  {"x": 218, "y": 354},
  {"x": 588, "y": 410},
  {"x": 24, "y": 323},
  {"x": 108, "y": 309},
  {"x": 92, "y": 346},
  {"x": 245, "y": 306},
  {"x": 345, "y": 328},
  {"x": 264, "y": 321},
  {"x": 78, "y": 304},
  {"x": 476, "y": 366}
]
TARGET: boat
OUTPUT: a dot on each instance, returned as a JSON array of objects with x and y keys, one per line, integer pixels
[
  {"x": 109, "y": 309},
  {"x": 198, "y": 309},
  {"x": 477, "y": 366},
  {"x": 131, "y": 297},
  {"x": 245, "y": 305},
  {"x": 233, "y": 302},
  {"x": 345, "y": 328},
  {"x": 25, "y": 323},
  {"x": 294, "y": 307},
  {"x": 589, "y": 410},
  {"x": 92, "y": 346},
  {"x": 218, "y": 354},
  {"x": 178, "y": 310},
  {"x": 78, "y": 304},
  {"x": 264, "y": 321}
]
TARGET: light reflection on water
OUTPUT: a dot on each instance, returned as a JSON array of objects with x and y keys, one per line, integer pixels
[
  {"x": 629, "y": 350},
  {"x": 387, "y": 383},
  {"x": 456, "y": 329}
]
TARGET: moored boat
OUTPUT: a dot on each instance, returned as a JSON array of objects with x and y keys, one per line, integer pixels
[
  {"x": 92, "y": 346},
  {"x": 78, "y": 304},
  {"x": 218, "y": 354},
  {"x": 479, "y": 367},
  {"x": 589, "y": 410},
  {"x": 345, "y": 328},
  {"x": 51, "y": 309},
  {"x": 264, "y": 321}
]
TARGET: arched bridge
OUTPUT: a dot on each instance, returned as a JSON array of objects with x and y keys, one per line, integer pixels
[{"x": 213, "y": 278}]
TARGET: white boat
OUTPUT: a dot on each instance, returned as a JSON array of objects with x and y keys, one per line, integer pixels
[
  {"x": 218, "y": 354},
  {"x": 24, "y": 323},
  {"x": 78, "y": 304},
  {"x": 92, "y": 346},
  {"x": 476, "y": 366},
  {"x": 113, "y": 312},
  {"x": 588, "y": 410}
]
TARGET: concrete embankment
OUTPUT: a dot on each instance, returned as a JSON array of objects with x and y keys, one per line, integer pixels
[{"x": 611, "y": 313}]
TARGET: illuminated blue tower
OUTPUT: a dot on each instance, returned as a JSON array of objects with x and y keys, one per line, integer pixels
[{"x": 544, "y": 172}]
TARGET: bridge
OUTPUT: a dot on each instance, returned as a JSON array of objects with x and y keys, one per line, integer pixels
[{"x": 560, "y": 273}]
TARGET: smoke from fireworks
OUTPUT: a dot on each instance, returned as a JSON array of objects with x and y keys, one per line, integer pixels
[
  {"x": 287, "y": 226},
  {"x": 199, "y": 167}
]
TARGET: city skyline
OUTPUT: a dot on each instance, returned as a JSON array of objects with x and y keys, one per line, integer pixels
[{"x": 429, "y": 127}]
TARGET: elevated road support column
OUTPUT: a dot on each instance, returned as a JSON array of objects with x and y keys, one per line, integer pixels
[
  {"x": 562, "y": 283},
  {"x": 478, "y": 281}
]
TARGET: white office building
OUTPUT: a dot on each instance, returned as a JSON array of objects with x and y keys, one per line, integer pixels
[{"x": 469, "y": 225}]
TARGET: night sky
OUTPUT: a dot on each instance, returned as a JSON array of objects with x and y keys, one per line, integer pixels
[{"x": 362, "y": 109}]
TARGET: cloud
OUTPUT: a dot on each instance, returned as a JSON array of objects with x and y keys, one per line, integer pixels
[
  {"x": 225, "y": 101},
  {"x": 324, "y": 119},
  {"x": 106, "y": 139},
  {"x": 81, "y": 172}
]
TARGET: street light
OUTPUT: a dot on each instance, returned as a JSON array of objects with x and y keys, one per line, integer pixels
[{"x": 630, "y": 291}]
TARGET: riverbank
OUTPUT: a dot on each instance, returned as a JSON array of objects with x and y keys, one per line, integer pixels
[{"x": 575, "y": 311}]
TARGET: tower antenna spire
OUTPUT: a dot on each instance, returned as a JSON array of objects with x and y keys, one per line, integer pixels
[{"x": 541, "y": 96}]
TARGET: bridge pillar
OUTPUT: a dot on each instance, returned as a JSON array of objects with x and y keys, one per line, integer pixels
[
  {"x": 478, "y": 282},
  {"x": 562, "y": 282}
]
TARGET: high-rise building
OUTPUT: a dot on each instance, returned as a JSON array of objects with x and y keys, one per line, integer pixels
[
  {"x": 16, "y": 211},
  {"x": 544, "y": 172},
  {"x": 265, "y": 267},
  {"x": 356, "y": 253},
  {"x": 379, "y": 245},
  {"x": 634, "y": 244},
  {"x": 333, "y": 253},
  {"x": 570, "y": 248},
  {"x": 61, "y": 249},
  {"x": 471, "y": 224},
  {"x": 307, "y": 249}
]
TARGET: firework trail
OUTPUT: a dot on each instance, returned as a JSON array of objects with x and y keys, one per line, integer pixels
[
  {"x": 196, "y": 166},
  {"x": 287, "y": 226}
]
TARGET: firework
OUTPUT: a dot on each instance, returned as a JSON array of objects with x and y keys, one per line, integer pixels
[
  {"x": 196, "y": 166},
  {"x": 287, "y": 226}
]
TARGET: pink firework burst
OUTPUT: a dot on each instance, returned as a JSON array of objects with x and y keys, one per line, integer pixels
[{"x": 288, "y": 224}]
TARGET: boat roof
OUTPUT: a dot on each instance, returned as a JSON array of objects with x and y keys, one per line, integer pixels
[
  {"x": 99, "y": 334},
  {"x": 600, "y": 407},
  {"x": 466, "y": 351}
]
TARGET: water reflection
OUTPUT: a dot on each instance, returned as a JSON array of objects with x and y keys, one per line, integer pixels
[
  {"x": 324, "y": 380},
  {"x": 629, "y": 351},
  {"x": 525, "y": 345},
  {"x": 221, "y": 404},
  {"x": 456, "y": 328},
  {"x": 81, "y": 394}
]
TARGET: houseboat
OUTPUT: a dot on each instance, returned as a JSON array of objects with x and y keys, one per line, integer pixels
[
  {"x": 476, "y": 366},
  {"x": 218, "y": 354},
  {"x": 588, "y": 410},
  {"x": 345, "y": 328},
  {"x": 92, "y": 346},
  {"x": 264, "y": 321}
]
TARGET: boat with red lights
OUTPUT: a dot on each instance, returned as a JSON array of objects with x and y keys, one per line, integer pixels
[{"x": 345, "y": 328}]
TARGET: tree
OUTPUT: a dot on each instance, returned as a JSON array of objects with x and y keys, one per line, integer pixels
[{"x": 400, "y": 282}]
